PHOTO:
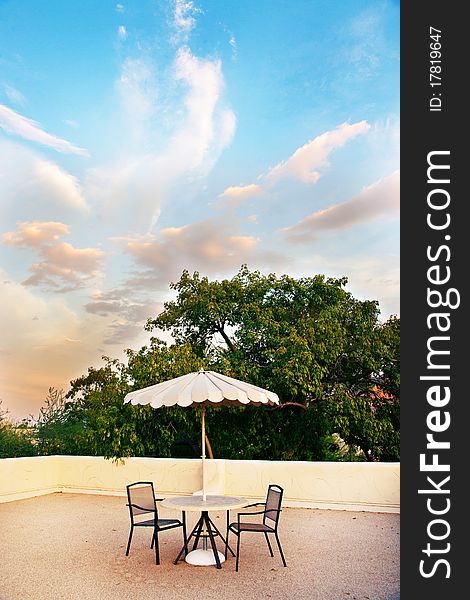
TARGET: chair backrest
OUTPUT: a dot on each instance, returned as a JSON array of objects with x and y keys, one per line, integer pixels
[
  {"x": 273, "y": 504},
  {"x": 141, "y": 498}
]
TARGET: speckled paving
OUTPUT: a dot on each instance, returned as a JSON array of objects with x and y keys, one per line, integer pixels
[{"x": 72, "y": 547}]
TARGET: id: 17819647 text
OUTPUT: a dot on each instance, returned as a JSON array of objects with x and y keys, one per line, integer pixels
[{"x": 435, "y": 69}]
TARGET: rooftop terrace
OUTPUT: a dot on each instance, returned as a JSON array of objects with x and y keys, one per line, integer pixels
[{"x": 67, "y": 546}]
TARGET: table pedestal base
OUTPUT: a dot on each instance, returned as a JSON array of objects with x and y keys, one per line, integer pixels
[
  {"x": 205, "y": 528},
  {"x": 203, "y": 558}
]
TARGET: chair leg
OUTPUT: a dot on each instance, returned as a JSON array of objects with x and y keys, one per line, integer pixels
[
  {"x": 153, "y": 541},
  {"x": 157, "y": 549},
  {"x": 226, "y": 543},
  {"x": 238, "y": 550},
  {"x": 269, "y": 544},
  {"x": 185, "y": 535},
  {"x": 129, "y": 540},
  {"x": 280, "y": 549}
]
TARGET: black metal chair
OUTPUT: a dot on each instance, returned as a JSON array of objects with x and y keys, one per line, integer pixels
[
  {"x": 142, "y": 501},
  {"x": 268, "y": 524}
]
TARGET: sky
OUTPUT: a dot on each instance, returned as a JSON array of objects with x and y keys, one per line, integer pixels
[{"x": 145, "y": 137}]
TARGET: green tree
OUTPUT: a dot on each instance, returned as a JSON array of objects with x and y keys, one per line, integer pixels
[
  {"x": 334, "y": 365},
  {"x": 61, "y": 428},
  {"x": 15, "y": 439},
  {"x": 114, "y": 429},
  {"x": 108, "y": 424},
  {"x": 309, "y": 340}
]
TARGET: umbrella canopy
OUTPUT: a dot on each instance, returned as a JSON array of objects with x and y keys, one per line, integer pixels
[{"x": 202, "y": 387}]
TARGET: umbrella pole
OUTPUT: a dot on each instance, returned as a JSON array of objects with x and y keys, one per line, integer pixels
[{"x": 203, "y": 445}]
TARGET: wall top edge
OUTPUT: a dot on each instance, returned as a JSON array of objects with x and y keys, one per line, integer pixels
[{"x": 369, "y": 465}]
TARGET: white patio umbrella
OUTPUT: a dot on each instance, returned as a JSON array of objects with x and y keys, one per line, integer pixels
[{"x": 202, "y": 387}]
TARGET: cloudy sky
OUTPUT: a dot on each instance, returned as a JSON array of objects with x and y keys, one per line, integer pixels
[{"x": 144, "y": 137}]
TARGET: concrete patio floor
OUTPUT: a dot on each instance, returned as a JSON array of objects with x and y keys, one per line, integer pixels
[{"x": 72, "y": 547}]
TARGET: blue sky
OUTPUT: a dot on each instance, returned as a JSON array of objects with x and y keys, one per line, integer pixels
[{"x": 141, "y": 138}]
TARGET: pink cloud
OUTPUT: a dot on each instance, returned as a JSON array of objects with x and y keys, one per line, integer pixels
[{"x": 380, "y": 199}]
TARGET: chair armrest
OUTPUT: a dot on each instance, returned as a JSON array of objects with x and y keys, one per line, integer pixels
[
  {"x": 262, "y": 512},
  {"x": 246, "y": 514},
  {"x": 141, "y": 507},
  {"x": 159, "y": 499},
  {"x": 255, "y": 504}
]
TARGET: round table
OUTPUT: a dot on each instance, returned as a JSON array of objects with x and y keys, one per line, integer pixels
[{"x": 205, "y": 527}]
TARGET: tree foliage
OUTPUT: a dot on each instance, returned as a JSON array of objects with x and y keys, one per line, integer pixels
[
  {"x": 61, "y": 427},
  {"x": 334, "y": 365},
  {"x": 324, "y": 352},
  {"x": 15, "y": 439}
]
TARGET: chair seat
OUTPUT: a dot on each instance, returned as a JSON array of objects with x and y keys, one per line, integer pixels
[
  {"x": 147, "y": 523},
  {"x": 168, "y": 523},
  {"x": 162, "y": 523},
  {"x": 250, "y": 527}
]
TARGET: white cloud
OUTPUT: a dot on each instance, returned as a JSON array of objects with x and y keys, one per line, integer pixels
[
  {"x": 35, "y": 234},
  {"x": 14, "y": 123},
  {"x": 184, "y": 18},
  {"x": 365, "y": 47},
  {"x": 32, "y": 344},
  {"x": 237, "y": 193},
  {"x": 46, "y": 343},
  {"x": 122, "y": 32},
  {"x": 212, "y": 246},
  {"x": 62, "y": 266},
  {"x": 380, "y": 199},
  {"x": 233, "y": 44},
  {"x": 70, "y": 260},
  {"x": 65, "y": 268},
  {"x": 58, "y": 184},
  {"x": 14, "y": 95},
  {"x": 137, "y": 89},
  {"x": 205, "y": 82},
  {"x": 304, "y": 165},
  {"x": 124, "y": 313},
  {"x": 27, "y": 179},
  {"x": 150, "y": 173},
  {"x": 306, "y": 162},
  {"x": 123, "y": 302}
]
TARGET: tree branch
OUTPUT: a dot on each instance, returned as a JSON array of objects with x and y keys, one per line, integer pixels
[
  {"x": 292, "y": 404},
  {"x": 227, "y": 340}
]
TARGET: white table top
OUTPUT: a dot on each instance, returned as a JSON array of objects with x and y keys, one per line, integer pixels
[{"x": 196, "y": 503}]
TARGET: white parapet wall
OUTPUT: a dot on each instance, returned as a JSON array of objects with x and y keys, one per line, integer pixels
[
  {"x": 332, "y": 485},
  {"x": 28, "y": 476},
  {"x": 335, "y": 485}
]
